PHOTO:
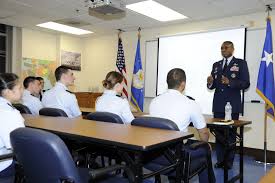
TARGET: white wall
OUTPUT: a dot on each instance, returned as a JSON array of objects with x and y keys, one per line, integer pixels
[
  {"x": 99, "y": 56},
  {"x": 40, "y": 45},
  {"x": 73, "y": 44}
]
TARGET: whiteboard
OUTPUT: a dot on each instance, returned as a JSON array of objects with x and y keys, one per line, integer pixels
[
  {"x": 195, "y": 54},
  {"x": 151, "y": 63},
  {"x": 254, "y": 45}
]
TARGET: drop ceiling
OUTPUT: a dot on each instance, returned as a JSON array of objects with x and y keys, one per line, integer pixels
[{"x": 28, "y": 13}]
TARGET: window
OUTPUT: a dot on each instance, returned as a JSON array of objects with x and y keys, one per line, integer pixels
[{"x": 5, "y": 48}]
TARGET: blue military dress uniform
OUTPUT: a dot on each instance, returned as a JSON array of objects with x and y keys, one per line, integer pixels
[{"x": 238, "y": 75}]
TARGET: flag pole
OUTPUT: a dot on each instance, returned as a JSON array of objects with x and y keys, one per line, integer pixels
[
  {"x": 265, "y": 137},
  {"x": 268, "y": 9}
]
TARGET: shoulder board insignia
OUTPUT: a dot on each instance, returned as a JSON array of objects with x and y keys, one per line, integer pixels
[{"x": 69, "y": 91}]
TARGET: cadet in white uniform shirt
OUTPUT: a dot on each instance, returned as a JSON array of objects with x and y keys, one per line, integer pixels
[
  {"x": 173, "y": 105},
  {"x": 10, "y": 91},
  {"x": 59, "y": 96},
  {"x": 111, "y": 101},
  {"x": 29, "y": 99}
]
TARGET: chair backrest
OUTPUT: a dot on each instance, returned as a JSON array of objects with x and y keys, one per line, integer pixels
[
  {"x": 52, "y": 112},
  {"x": 44, "y": 156},
  {"x": 22, "y": 108},
  {"x": 154, "y": 122},
  {"x": 105, "y": 117}
]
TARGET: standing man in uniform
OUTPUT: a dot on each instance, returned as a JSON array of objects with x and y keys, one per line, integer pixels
[
  {"x": 228, "y": 77},
  {"x": 59, "y": 96}
]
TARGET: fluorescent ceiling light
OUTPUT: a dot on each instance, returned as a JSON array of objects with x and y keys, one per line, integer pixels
[
  {"x": 64, "y": 28},
  {"x": 155, "y": 10}
]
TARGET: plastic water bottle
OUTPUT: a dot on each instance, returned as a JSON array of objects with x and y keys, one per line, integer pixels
[{"x": 228, "y": 111}]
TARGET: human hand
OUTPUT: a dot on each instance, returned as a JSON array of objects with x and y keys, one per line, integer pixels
[
  {"x": 210, "y": 80},
  {"x": 225, "y": 80}
]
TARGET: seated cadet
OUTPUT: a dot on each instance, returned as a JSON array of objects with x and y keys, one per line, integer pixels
[
  {"x": 29, "y": 99},
  {"x": 10, "y": 91},
  {"x": 42, "y": 83},
  {"x": 175, "y": 106},
  {"x": 111, "y": 101},
  {"x": 59, "y": 96}
]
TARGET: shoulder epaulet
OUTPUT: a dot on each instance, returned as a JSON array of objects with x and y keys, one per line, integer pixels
[
  {"x": 11, "y": 106},
  {"x": 69, "y": 91},
  {"x": 119, "y": 96},
  {"x": 189, "y": 97}
]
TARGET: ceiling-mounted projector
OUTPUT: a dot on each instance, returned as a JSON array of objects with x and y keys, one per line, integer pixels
[{"x": 107, "y": 9}]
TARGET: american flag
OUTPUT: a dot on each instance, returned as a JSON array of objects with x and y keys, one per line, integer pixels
[{"x": 121, "y": 67}]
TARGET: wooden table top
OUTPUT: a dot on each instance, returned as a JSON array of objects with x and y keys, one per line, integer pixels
[
  {"x": 131, "y": 137},
  {"x": 87, "y": 109},
  {"x": 269, "y": 177},
  {"x": 209, "y": 118},
  {"x": 237, "y": 123}
]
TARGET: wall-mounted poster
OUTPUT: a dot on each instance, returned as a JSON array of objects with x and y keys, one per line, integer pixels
[
  {"x": 71, "y": 59},
  {"x": 39, "y": 67}
]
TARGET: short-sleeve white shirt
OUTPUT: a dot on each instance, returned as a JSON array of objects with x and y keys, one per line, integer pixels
[
  {"x": 178, "y": 108},
  {"x": 109, "y": 102},
  {"x": 60, "y": 97},
  {"x": 32, "y": 102},
  {"x": 10, "y": 120}
]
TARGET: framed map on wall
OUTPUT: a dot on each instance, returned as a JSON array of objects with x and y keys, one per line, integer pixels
[
  {"x": 71, "y": 59},
  {"x": 39, "y": 67}
]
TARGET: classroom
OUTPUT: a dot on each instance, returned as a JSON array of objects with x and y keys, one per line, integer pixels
[{"x": 117, "y": 37}]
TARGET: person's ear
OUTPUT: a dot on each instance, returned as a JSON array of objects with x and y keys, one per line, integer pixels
[{"x": 182, "y": 86}]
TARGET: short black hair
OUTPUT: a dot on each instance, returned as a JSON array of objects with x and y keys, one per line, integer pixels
[
  {"x": 60, "y": 70},
  {"x": 229, "y": 43},
  {"x": 39, "y": 78},
  {"x": 175, "y": 77},
  {"x": 28, "y": 80},
  {"x": 7, "y": 81}
]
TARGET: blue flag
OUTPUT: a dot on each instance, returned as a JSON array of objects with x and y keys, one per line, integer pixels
[
  {"x": 265, "y": 84},
  {"x": 137, "y": 89}
]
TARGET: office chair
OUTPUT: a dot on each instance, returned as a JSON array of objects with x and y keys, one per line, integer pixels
[
  {"x": 105, "y": 117},
  {"x": 193, "y": 165},
  {"x": 45, "y": 158},
  {"x": 22, "y": 108},
  {"x": 54, "y": 112}
]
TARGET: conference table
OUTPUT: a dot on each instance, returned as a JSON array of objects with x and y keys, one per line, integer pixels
[
  {"x": 227, "y": 129},
  {"x": 125, "y": 139},
  {"x": 238, "y": 124}
]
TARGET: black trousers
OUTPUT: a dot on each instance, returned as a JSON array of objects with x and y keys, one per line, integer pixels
[{"x": 220, "y": 148}]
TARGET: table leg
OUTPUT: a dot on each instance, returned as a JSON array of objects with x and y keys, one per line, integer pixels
[
  {"x": 138, "y": 167},
  {"x": 180, "y": 163},
  {"x": 225, "y": 170},
  {"x": 241, "y": 154}
]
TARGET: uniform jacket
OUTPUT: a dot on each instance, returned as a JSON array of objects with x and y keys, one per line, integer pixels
[{"x": 238, "y": 75}]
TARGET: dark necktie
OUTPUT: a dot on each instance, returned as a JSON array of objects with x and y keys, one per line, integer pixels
[{"x": 225, "y": 65}]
